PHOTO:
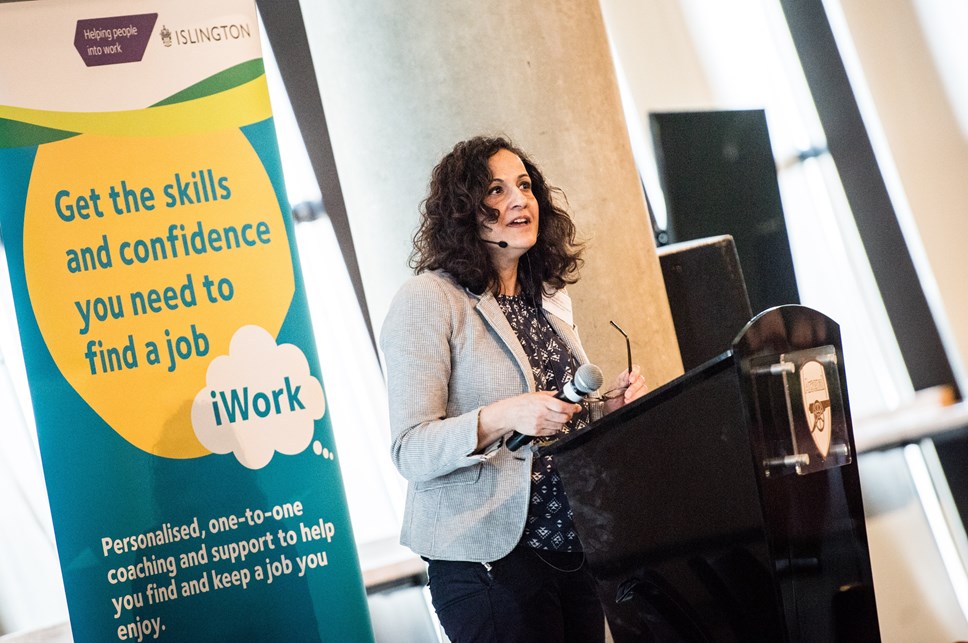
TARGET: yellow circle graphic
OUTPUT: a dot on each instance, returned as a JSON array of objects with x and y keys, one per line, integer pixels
[{"x": 142, "y": 258}]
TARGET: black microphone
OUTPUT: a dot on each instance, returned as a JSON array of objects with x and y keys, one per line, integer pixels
[
  {"x": 587, "y": 380},
  {"x": 499, "y": 244}
]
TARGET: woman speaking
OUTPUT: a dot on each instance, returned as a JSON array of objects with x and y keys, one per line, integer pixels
[{"x": 476, "y": 346}]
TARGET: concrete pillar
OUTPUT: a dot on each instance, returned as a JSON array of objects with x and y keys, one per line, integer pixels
[{"x": 402, "y": 82}]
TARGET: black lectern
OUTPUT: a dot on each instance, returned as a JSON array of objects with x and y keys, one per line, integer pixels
[{"x": 726, "y": 505}]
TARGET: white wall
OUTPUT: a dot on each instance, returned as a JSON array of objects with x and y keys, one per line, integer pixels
[{"x": 911, "y": 53}]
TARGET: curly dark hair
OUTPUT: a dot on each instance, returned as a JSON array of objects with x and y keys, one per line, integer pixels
[{"x": 449, "y": 235}]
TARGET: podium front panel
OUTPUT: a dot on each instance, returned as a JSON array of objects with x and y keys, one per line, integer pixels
[
  {"x": 667, "y": 507},
  {"x": 693, "y": 512}
]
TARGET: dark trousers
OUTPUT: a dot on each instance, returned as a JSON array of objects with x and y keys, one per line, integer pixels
[{"x": 528, "y": 596}]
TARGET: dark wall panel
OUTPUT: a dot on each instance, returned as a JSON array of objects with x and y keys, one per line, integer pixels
[
  {"x": 719, "y": 177},
  {"x": 707, "y": 296}
]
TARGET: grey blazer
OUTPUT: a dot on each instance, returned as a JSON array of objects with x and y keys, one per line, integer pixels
[{"x": 449, "y": 352}]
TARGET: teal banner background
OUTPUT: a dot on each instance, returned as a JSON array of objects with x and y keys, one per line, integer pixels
[{"x": 101, "y": 486}]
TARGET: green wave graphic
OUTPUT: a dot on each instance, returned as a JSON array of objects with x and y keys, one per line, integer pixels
[
  {"x": 227, "y": 79},
  {"x": 17, "y": 134}
]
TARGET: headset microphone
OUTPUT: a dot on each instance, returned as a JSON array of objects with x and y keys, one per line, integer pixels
[{"x": 499, "y": 244}]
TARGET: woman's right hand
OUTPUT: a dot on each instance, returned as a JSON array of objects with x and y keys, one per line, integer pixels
[{"x": 538, "y": 414}]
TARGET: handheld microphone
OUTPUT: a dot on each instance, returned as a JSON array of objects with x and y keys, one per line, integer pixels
[
  {"x": 499, "y": 244},
  {"x": 587, "y": 380}
]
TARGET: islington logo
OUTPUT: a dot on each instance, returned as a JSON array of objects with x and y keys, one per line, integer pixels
[
  {"x": 113, "y": 40},
  {"x": 212, "y": 34}
]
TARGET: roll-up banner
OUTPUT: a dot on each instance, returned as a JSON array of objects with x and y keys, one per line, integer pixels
[{"x": 190, "y": 463}]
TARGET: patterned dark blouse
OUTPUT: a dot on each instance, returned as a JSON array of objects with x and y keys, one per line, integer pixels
[{"x": 550, "y": 523}]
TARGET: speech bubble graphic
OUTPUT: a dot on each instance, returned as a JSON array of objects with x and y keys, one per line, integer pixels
[
  {"x": 142, "y": 257},
  {"x": 259, "y": 399}
]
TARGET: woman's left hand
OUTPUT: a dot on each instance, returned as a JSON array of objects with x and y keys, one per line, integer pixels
[{"x": 634, "y": 387}]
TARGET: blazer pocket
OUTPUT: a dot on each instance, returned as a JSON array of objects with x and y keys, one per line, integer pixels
[{"x": 464, "y": 475}]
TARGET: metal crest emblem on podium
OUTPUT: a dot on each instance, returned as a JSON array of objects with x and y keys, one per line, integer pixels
[
  {"x": 816, "y": 404},
  {"x": 805, "y": 387}
]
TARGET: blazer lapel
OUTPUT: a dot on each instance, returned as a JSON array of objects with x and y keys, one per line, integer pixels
[
  {"x": 495, "y": 318},
  {"x": 558, "y": 312}
]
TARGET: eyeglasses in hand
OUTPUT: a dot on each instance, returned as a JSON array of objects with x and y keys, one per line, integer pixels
[{"x": 620, "y": 391}]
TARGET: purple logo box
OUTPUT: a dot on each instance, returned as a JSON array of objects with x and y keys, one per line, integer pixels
[{"x": 114, "y": 40}]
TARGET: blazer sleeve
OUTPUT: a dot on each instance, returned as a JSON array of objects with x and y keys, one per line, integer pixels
[{"x": 416, "y": 343}]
